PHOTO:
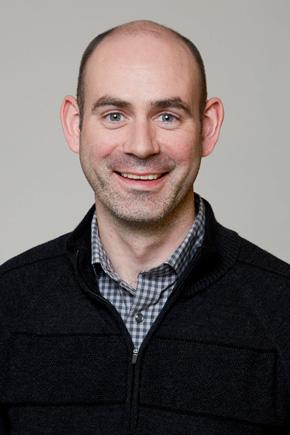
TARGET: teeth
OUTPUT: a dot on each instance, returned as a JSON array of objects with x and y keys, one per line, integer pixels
[{"x": 140, "y": 177}]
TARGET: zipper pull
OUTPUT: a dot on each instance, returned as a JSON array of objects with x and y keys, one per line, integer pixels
[{"x": 135, "y": 354}]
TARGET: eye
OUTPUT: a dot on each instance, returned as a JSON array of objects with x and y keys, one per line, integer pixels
[
  {"x": 114, "y": 117},
  {"x": 167, "y": 118}
]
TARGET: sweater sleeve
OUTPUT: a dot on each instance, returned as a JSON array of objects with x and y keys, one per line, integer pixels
[
  {"x": 4, "y": 420},
  {"x": 7, "y": 307},
  {"x": 4, "y": 423}
]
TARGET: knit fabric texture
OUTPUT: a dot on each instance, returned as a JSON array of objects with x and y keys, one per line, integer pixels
[{"x": 216, "y": 361}]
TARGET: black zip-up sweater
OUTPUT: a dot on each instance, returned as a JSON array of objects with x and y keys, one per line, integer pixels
[{"x": 216, "y": 361}]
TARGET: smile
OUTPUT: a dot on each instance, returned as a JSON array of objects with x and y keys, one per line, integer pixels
[{"x": 141, "y": 177}]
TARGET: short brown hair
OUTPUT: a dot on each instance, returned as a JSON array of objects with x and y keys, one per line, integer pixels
[{"x": 137, "y": 26}]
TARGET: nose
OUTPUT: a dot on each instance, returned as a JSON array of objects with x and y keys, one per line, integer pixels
[{"x": 141, "y": 141}]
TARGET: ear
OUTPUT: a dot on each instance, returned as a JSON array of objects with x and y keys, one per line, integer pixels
[
  {"x": 212, "y": 120},
  {"x": 70, "y": 119}
]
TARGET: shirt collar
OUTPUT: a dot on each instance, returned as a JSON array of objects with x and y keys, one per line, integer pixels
[{"x": 179, "y": 259}]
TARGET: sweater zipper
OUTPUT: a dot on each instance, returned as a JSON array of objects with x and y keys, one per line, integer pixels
[{"x": 135, "y": 355}]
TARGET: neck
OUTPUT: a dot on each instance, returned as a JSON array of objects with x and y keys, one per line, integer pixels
[{"x": 133, "y": 249}]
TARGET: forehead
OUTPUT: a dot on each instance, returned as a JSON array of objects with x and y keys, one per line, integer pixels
[{"x": 141, "y": 65}]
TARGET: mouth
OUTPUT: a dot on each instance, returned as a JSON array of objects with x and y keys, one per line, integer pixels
[
  {"x": 143, "y": 177},
  {"x": 141, "y": 182}
]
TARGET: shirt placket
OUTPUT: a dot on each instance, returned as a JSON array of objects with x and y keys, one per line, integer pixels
[{"x": 150, "y": 285}]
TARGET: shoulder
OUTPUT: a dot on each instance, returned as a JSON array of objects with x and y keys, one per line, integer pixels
[
  {"x": 264, "y": 282},
  {"x": 259, "y": 261},
  {"x": 28, "y": 276},
  {"x": 262, "y": 277},
  {"x": 36, "y": 255},
  {"x": 255, "y": 279}
]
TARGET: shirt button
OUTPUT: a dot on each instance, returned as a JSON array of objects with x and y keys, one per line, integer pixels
[{"x": 139, "y": 317}]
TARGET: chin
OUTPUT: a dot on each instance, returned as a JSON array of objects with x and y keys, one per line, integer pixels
[
  {"x": 138, "y": 211},
  {"x": 142, "y": 217},
  {"x": 137, "y": 218}
]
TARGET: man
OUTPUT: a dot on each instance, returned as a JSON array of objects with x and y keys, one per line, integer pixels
[{"x": 150, "y": 317}]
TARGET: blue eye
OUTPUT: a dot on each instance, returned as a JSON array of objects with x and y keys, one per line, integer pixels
[
  {"x": 167, "y": 117},
  {"x": 114, "y": 117}
]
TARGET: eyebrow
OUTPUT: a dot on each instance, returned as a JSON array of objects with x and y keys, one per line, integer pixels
[
  {"x": 166, "y": 103},
  {"x": 106, "y": 100},
  {"x": 174, "y": 102}
]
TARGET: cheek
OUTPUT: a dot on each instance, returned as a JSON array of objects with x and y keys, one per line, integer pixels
[
  {"x": 183, "y": 147},
  {"x": 98, "y": 143}
]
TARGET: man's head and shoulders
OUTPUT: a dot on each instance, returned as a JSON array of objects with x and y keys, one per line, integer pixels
[{"x": 141, "y": 124}]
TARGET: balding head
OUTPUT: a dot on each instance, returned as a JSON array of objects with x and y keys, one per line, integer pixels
[
  {"x": 140, "y": 99},
  {"x": 135, "y": 28}
]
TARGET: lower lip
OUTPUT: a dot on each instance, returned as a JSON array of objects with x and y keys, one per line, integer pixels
[{"x": 142, "y": 184}]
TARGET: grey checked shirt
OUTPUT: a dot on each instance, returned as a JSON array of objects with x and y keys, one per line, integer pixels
[{"x": 140, "y": 306}]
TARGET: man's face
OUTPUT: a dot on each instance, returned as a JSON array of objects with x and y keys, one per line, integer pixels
[{"x": 140, "y": 142}]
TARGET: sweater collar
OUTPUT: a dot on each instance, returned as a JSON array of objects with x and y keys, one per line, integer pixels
[{"x": 218, "y": 252}]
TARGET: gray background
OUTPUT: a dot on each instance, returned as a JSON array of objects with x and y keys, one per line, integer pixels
[{"x": 245, "y": 45}]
